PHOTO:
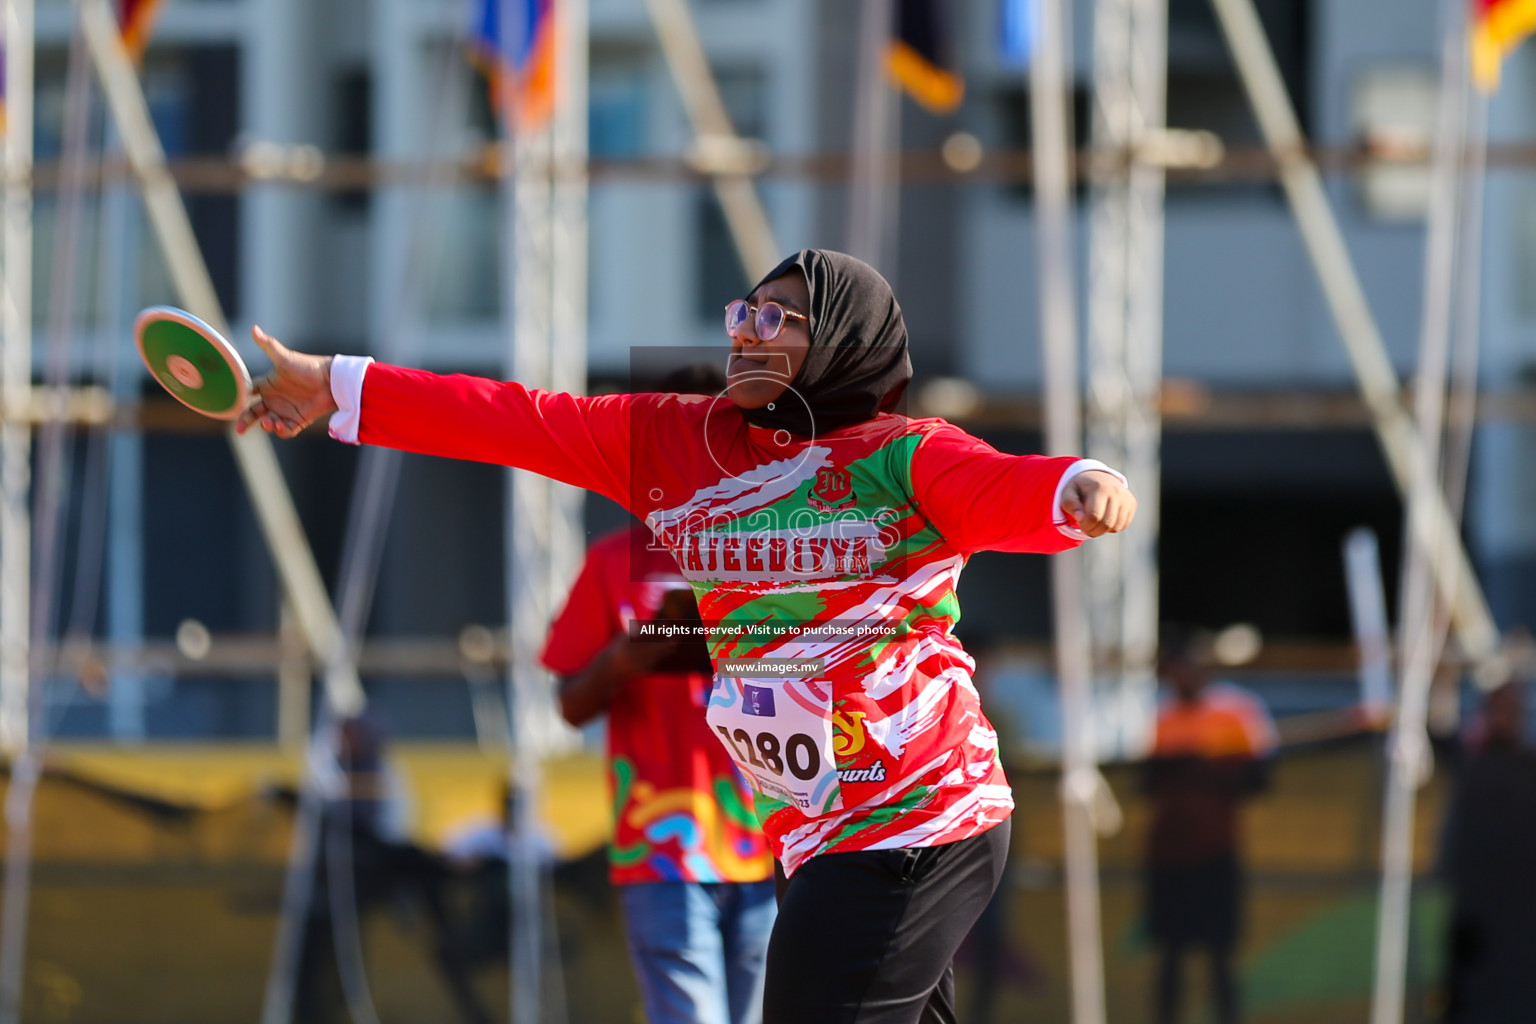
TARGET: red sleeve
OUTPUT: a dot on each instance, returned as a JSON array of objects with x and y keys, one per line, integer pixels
[
  {"x": 572, "y": 438},
  {"x": 981, "y": 499},
  {"x": 587, "y": 623}
]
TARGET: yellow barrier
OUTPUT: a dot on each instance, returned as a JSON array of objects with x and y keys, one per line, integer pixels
[{"x": 118, "y": 804}]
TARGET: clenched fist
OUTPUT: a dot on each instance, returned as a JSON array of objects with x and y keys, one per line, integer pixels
[{"x": 1098, "y": 503}]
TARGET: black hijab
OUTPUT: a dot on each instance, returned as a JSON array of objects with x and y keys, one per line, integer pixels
[{"x": 857, "y": 366}]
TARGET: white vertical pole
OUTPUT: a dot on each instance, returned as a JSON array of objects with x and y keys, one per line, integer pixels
[
  {"x": 527, "y": 248},
  {"x": 568, "y": 365},
  {"x": 1050, "y": 85},
  {"x": 16, "y": 368},
  {"x": 1125, "y": 344},
  {"x": 16, "y": 702},
  {"x": 873, "y": 192},
  {"x": 1144, "y": 370},
  {"x": 125, "y": 489},
  {"x": 546, "y": 261},
  {"x": 1409, "y": 761},
  {"x": 526, "y": 545},
  {"x": 1368, "y": 616}
]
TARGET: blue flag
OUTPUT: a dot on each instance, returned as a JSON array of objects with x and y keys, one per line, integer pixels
[{"x": 1016, "y": 32}]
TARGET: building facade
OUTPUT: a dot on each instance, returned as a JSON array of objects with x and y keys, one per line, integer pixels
[{"x": 1253, "y": 513}]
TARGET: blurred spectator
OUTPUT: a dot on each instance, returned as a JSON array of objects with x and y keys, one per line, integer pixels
[
  {"x": 1489, "y": 862},
  {"x": 473, "y": 910},
  {"x": 361, "y": 827},
  {"x": 995, "y": 955},
  {"x": 1211, "y": 751},
  {"x": 484, "y": 838},
  {"x": 694, "y": 873}
]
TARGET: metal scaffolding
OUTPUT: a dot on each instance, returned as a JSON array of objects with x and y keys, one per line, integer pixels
[
  {"x": 1082, "y": 786},
  {"x": 16, "y": 682},
  {"x": 1451, "y": 264},
  {"x": 545, "y": 200},
  {"x": 1125, "y": 352},
  {"x": 874, "y": 184}
]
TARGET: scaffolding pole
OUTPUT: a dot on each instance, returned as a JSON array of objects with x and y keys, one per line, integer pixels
[
  {"x": 1409, "y": 760},
  {"x": 544, "y": 200},
  {"x": 1125, "y": 350},
  {"x": 254, "y": 455},
  {"x": 16, "y": 682},
  {"x": 1050, "y": 78},
  {"x": 873, "y": 188},
  {"x": 568, "y": 313},
  {"x": 16, "y": 383},
  {"x": 528, "y": 527},
  {"x": 1455, "y": 582}
]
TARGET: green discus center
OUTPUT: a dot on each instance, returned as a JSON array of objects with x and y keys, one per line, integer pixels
[{"x": 190, "y": 367}]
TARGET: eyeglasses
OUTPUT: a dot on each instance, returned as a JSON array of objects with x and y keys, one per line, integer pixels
[{"x": 768, "y": 322}]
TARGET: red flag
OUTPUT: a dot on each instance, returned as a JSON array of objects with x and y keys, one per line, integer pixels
[{"x": 1498, "y": 26}]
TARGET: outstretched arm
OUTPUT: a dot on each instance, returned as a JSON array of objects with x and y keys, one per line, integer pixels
[
  {"x": 577, "y": 440},
  {"x": 981, "y": 499}
]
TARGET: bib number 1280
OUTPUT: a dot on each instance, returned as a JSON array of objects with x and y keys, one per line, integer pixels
[{"x": 798, "y": 753}]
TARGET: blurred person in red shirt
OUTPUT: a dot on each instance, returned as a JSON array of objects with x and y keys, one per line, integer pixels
[
  {"x": 1488, "y": 860},
  {"x": 1212, "y": 750},
  {"x": 694, "y": 872}
]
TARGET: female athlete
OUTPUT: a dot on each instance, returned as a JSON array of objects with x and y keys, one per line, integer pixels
[{"x": 824, "y": 534}]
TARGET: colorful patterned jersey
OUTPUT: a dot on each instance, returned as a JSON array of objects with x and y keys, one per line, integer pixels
[
  {"x": 866, "y": 735},
  {"x": 681, "y": 810}
]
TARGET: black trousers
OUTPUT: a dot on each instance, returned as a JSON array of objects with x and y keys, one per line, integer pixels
[{"x": 869, "y": 937}]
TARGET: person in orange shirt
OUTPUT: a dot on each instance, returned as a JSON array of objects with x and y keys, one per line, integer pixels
[{"x": 1212, "y": 750}]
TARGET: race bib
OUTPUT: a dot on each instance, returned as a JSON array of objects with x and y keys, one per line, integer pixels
[{"x": 779, "y": 733}]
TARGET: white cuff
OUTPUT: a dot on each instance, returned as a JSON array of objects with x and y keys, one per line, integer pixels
[
  {"x": 347, "y": 389},
  {"x": 1057, "y": 515}
]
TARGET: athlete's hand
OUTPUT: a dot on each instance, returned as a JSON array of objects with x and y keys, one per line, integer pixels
[
  {"x": 295, "y": 394},
  {"x": 1098, "y": 502}
]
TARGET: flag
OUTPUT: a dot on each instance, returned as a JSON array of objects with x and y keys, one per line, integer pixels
[
  {"x": 918, "y": 57},
  {"x": 513, "y": 43},
  {"x": 136, "y": 20},
  {"x": 1016, "y": 32},
  {"x": 1498, "y": 26}
]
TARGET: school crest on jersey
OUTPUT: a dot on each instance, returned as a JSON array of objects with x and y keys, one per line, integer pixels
[{"x": 833, "y": 490}]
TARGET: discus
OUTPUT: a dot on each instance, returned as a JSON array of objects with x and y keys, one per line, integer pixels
[{"x": 193, "y": 362}]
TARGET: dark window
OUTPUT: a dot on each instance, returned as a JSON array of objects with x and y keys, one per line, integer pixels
[
  {"x": 1016, "y": 125},
  {"x": 482, "y": 119},
  {"x": 194, "y": 98},
  {"x": 1204, "y": 90},
  {"x": 353, "y": 131},
  {"x": 721, "y": 275},
  {"x": 1302, "y": 492},
  {"x": 616, "y": 114}
]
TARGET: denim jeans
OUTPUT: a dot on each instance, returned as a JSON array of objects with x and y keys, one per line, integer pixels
[{"x": 699, "y": 948}]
